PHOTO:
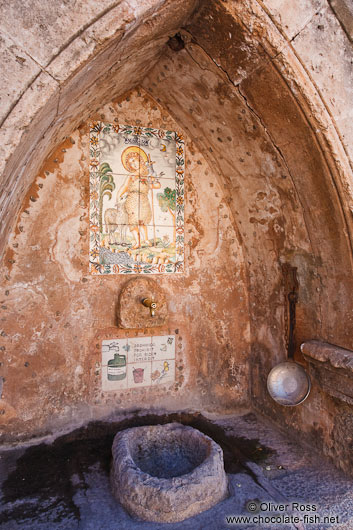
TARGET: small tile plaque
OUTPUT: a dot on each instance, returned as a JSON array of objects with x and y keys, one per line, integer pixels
[{"x": 138, "y": 362}]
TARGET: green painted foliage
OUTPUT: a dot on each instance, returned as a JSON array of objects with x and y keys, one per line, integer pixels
[
  {"x": 106, "y": 187},
  {"x": 167, "y": 200}
]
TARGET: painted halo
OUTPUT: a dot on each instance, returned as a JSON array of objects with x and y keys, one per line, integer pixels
[{"x": 130, "y": 153}]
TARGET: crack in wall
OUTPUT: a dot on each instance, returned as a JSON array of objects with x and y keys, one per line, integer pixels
[
  {"x": 76, "y": 35},
  {"x": 343, "y": 11},
  {"x": 253, "y": 112},
  {"x": 283, "y": 159},
  {"x": 272, "y": 61},
  {"x": 305, "y": 25},
  {"x": 42, "y": 68},
  {"x": 219, "y": 67},
  {"x": 289, "y": 43},
  {"x": 277, "y": 148},
  {"x": 279, "y": 29}
]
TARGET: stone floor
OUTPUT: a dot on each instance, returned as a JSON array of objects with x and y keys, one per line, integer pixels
[{"x": 64, "y": 483}]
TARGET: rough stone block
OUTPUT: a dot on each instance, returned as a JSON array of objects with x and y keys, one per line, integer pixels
[
  {"x": 132, "y": 314},
  {"x": 18, "y": 71},
  {"x": 326, "y": 52},
  {"x": 292, "y": 17},
  {"x": 167, "y": 473}
]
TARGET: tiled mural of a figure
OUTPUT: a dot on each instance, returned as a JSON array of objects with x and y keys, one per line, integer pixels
[{"x": 137, "y": 200}]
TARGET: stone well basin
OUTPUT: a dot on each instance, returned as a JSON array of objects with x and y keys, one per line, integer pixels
[{"x": 167, "y": 473}]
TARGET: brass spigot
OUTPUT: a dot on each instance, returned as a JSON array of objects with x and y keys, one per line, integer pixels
[{"x": 149, "y": 302}]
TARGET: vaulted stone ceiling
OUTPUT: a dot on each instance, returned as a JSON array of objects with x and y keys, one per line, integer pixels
[
  {"x": 254, "y": 85},
  {"x": 65, "y": 60},
  {"x": 237, "y": 86}
]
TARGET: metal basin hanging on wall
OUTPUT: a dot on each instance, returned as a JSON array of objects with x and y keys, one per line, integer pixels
[{"x": 288, "y": 383}]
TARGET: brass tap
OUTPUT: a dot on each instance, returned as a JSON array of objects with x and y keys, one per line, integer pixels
[{"x": 149, "y": 302}]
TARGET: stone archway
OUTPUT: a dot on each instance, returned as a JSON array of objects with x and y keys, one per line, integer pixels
[{"x": 242, "y": 87}]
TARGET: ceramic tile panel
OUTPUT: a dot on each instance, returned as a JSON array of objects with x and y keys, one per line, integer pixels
[
  {"x": 138, "y": 362},
  {"x": 110, "y": 383},
  {"x": 163, "y": 347},
  {"x": 139, "y": 375},
  {"x": 163, "y": 196},
  {"x": 140, "y": 349},
  {"x": 111, "y": 348},
  {"x": 113, "y": 140},
  {"x": 136, "y": 200},
  {"x": 163, "y": 372},
  {"x": 114, "y": 365},
  {"x": 162, "y": 153}
]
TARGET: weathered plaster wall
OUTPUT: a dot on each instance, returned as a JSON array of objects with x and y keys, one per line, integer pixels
[
  {"x": 280, "y": 189},
  {"x": 57, "y": 71},
  {"x": 100, "y": 51},
  {"x": 54, "y": 314},
  {"x": 325, "y": 273},
  {"x": 264, "y": 93}
]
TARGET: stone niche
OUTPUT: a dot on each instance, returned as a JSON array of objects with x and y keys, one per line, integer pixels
[
  {"x": 61, "y": 314},
  {"x": 132, "y": 314}
]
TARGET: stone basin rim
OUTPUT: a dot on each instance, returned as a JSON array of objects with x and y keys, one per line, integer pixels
[
  {"x": 124, "y": 436},
  {"x": 167, "y": 499}
]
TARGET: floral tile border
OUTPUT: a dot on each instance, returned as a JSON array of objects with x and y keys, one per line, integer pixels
[{"x": 97, "y": 268}]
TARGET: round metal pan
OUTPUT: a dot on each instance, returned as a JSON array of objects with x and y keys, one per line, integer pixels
[{"x": 288, "y": 383}]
